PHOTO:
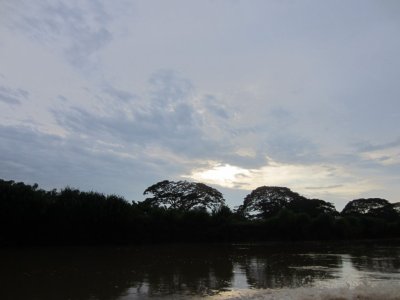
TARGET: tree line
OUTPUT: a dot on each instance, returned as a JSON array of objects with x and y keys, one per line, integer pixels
[{"x": 183, "y": 211}]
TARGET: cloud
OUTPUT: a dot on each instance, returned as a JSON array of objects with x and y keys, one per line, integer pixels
[
  {"x": 385, "y": 157},
  {"x": 53, "y": 161},
  {"x": 223, "y": 175},
  {"x": 12, "y": 96},
  {"x": 215, "y": 108},
  {"x": 264, "y": 96},
  {"x": 324, "y": 187},
  {"x": 327, "y": 179},
  {"x": 367, "y": 146},
  {"x": 78, "y": 28},
  {"x": 119, "y": 94},
  {"x": 174, "y": 117},
  {"x": 384, "y": 154},
  {"x": 285, "y": 146},
  {"x": 168, "y": 119}
]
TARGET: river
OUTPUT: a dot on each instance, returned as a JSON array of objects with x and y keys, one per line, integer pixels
[{"x": 341, "y": 270}]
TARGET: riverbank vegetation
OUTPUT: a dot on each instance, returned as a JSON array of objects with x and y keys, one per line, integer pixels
[{"x": 184, "y": 212}]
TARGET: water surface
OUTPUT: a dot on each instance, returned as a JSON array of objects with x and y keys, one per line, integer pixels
[{"x": 260, "y": 271}]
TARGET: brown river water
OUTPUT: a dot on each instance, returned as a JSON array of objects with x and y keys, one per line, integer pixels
[{"x": 341, "y": 270}]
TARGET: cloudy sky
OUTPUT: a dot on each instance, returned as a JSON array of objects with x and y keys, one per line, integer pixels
[{"x": 114, "y": 96}]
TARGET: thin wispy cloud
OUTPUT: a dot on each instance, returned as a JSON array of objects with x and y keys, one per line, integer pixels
[{"x": 12, "y": 96}]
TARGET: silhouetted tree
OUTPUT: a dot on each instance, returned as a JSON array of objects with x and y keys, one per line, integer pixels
[
  {"x": 180, "y": 212},
  {"x": 396, "y": 207},
  {"x": 371, "y": 207},
  {"x": 311, "y": 207},
  {"x": 267, "y": 201},
  {"x": 322, "y": 227},
  {"x": 184, "y": 195},
  {"x": 223, "y": 213}
]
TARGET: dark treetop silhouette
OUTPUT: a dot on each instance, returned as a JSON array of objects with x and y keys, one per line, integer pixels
[
  {"x": 184, "y": 195},
  {"x": 267, "y": 201},
  {"x": 373, "y": 207},
  {"x": 183, "y": 212}
]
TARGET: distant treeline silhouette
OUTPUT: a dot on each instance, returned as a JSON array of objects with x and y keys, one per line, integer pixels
[{"x": 184, "y": 211}]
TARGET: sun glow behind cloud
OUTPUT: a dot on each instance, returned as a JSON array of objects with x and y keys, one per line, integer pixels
[
  {"x": 311, "y": 180},
  {"x": 222, "y": 174}
]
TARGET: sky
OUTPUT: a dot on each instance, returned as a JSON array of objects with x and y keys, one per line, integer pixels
[{"x": 114, "y": 96}]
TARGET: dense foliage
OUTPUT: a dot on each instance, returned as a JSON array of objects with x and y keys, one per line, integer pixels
[
  {"x": 184, "y": 195},
  {"x": 29, "y": 215},
  {"x": 373, "y": 207},
  {"x": 266, "y": 201}
]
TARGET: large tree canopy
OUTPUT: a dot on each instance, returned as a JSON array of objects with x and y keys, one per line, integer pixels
[
  {"x": 373, "y": 207},
  {"x": 364, "y": 206},
  {"x": 184, "y": 195},
  {"x": 266, "y": 201}
]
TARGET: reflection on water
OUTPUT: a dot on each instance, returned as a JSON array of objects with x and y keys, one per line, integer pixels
[
  {"x": 276, "y": 270},
  {"x": 188, "y": 270}
]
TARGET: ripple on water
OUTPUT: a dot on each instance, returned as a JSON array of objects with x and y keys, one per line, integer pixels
[{"x": 389, "y": 290}]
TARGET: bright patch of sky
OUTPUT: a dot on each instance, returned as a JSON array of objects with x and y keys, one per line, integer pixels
[{"x": 115, "y": 96}]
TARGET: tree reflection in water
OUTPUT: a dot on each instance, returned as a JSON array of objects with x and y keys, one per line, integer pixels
[
  {"x": 191, "y": 270},
  {"x": 285, "y": 267},
  {"x": 108, "y": 273},
  {"x": 376, "y": 258}
]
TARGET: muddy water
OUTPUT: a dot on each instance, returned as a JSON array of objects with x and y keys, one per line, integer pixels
[{"x": 368, "y": 270}]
